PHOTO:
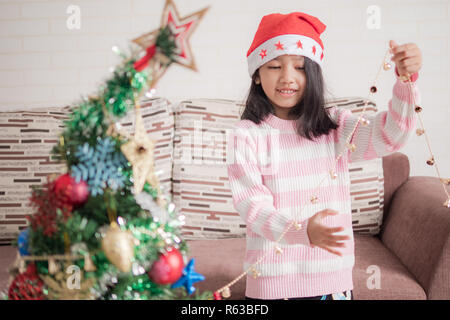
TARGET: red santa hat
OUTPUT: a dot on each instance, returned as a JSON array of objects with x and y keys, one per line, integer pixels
[{"x": 296, "y": 33}]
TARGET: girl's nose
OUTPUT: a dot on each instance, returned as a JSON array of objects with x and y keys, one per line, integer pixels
[{"x": 287, "y": 76}]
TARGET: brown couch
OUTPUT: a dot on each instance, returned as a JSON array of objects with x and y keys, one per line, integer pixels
[{"x": 412, "y": 252}]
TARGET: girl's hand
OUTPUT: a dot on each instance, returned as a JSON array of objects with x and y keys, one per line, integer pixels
[
  {"x": 407, "y": 57},
  {"x": 322, "y": 236}
]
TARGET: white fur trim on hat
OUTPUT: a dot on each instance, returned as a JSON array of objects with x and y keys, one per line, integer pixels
[{"x": 289, "y": 43}]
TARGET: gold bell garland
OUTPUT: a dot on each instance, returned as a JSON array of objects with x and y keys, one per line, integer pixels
[
  {"x": 422, "y": 132},
  {"x": 225, "y": 290}
]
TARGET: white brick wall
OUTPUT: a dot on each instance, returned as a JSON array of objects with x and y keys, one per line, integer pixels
[{"x": 43, "y": 63}]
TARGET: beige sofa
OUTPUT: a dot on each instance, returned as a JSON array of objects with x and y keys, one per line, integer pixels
[{"x": 402, "y": 243}]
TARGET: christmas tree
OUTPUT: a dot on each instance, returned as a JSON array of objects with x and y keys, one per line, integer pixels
[{"x": 104, "y": 229}]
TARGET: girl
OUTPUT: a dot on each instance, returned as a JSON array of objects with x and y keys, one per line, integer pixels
[{"x": 286, "y": 125}]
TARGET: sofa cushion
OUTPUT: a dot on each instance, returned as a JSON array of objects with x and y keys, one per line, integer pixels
[
  {"x": 26, "y": 140},
  {"x": 221, "y": 261},
  {"x": 201, "y": 188},
  {"x": 396, "y": 282}
]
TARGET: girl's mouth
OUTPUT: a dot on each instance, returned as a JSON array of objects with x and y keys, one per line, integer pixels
[{"x": 287, "y": 92}]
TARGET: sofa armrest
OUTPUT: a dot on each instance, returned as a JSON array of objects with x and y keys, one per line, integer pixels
[
  {"x": 396, "y": 171},
  {"x": 417, "y": 231}
]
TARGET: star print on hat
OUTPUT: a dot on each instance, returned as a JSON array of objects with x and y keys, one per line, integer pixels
[{"x": 296, "y": 33}]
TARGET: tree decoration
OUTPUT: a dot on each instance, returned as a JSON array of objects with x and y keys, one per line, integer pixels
[
  {"x": 139, "y": 152},
  {"x": 118, "y": 246},
  {"x": 170, "y": 43},
  {"x": 23, "y": 243},
  {"x": 188, "y": 278},
  {"x": 168, "y": 268},
  {"x": 71, "y": 191},
  {"x": 226, "y": 293},
  {"x": 52, "y": 210},
  {"x": 420, "y": 132},
  {"x": 53, "y": 267},
  {"x": 297, "y": 226},
  {"x": 147, "y": 203},
  {"x": 165, "y": 42},
  {"x": 69, "y": 284},
  {"x": 27, "y": 286},
  {"x": 351, "y": 147},
  {"x": 333, "y": 174},
  {"x": 106, "y": 218},
  {"x": 314, "y": 199},
  {"x": 100, "y": 167},
  {"x": 447, "y": 203}
]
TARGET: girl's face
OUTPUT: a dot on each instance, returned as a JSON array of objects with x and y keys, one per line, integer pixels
[{"x": 283, "y": 80}]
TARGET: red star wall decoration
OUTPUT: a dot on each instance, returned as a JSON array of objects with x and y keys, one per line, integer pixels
[{"x": 181, "y": 29}]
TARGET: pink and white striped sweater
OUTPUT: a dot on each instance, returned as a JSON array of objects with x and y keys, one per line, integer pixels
[{"x": 273, "y": 173}]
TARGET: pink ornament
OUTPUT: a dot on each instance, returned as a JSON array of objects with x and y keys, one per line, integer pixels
[{"x": 80, "y": 192}]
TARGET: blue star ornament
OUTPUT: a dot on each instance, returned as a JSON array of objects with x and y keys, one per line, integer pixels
[{"x": 188, "y": 278}]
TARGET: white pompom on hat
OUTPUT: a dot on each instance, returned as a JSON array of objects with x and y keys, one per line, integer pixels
[{"x": 296, "y": 33}]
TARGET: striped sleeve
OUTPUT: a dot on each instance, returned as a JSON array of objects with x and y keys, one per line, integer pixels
[
  {"x": 387, "y": 131},
  {"x": 251, "y": 198}
]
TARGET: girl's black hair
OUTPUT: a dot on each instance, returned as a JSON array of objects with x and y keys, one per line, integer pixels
[{"x": 314, "y": 120}]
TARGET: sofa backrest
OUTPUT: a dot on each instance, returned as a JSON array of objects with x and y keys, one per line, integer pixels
[
  {"x": 201, "y": 189},
  {"x": 190, "y": 162}
]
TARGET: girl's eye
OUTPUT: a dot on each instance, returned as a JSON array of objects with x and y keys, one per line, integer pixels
[{"x": 275, "y": 67}]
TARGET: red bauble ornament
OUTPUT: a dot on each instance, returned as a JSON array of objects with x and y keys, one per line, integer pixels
[
  {"x": 70, "y": 191},
  {"x": 168, "y": 268},
  {"x": 80, "y": 192},
  {"x": 27, "y": 286}
]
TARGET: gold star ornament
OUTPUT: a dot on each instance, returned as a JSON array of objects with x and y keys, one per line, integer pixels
[{"x": 139, "y": 152}]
